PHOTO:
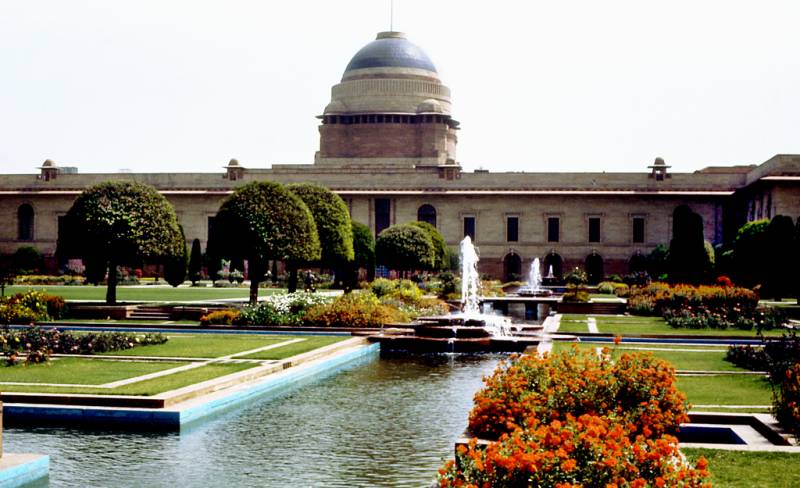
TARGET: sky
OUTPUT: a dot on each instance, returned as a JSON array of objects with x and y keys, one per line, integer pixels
[{"x": 184, "y": 86}]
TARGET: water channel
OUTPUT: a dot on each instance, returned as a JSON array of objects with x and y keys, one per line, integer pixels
[{"x": 385, "y": 421}]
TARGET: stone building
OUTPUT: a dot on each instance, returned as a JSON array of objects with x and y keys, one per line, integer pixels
[{"x": 388, "y": 147}]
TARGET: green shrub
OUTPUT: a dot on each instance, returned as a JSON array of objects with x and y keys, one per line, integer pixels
[
  {"x": 576, "y": 293},
  {"x": 357, "y": 309},
  {"x": 576, "y": 277},
  {"x": 27, "y": 260},
  {"x": 283, "y": 309},
  {"x": 220, "y": 317},
  {"x": 382, "y": 286}
]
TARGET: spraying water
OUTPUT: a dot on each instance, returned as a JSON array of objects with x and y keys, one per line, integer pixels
[
  {"x": 535, "y": 276},
  {"x": 470, "y": 287},
  {"x": 470, "y": 280}
]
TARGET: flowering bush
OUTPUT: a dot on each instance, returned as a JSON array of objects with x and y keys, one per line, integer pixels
[
  {"x": 638, "y": 389},
  {"x": 690, "y": 306},
  {"x": 356, "y": 309},
  {"x": 220, "y": 317},
  {"x": 748, "y": 357},
  {"x": 281, "y": 309},
  {"x": 37, "y": 344},
  {"x": 724, "y": 281},
  {"x": 611, "y": 287},
  {"x": 786, "y": 400},
  {"x": 31, "y": 306},
  {"x": 588, "y": 450},
  {"x": 576, "y": 293}
]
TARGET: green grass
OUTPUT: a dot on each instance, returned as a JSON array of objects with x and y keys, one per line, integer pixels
[
  {"x": 742, "y": 469},
  {"x": 574, "y": 317},
  {"x": 203, "y": 345},
  {"x": 80, "y": 371},
  {"x": 657, "y": 325},
  {"x": 681, "y": 360},
  {"x": 573, "y": 327},
  {"x": 726, "y": 390},
  {"x": 127, "y": 321},
  {"x": 148, "y": 387},
  {"x": 296, "y": 348},
  {"x": 144, "y": 294}
]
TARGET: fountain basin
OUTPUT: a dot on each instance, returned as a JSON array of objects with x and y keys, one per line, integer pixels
[{"x": 417, "y": 344}]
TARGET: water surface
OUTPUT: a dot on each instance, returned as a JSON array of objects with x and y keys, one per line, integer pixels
[{"x": 382, "y": 422}]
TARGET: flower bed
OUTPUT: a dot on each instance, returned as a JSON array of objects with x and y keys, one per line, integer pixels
[
  {"x": 31, "y": 306},
  {"x": 700, "y": 307},
  {"x": 37, "y": 344},
  {"x": 576, "y": 419}
]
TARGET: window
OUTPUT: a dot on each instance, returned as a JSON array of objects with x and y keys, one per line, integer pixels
[
  {"x": 552, "y": 229},
  {"x": 469, "y": 227},
  {"x": 594, "y": 229},
  {"x": 638, "y": 230},
  {"x": 383, "y": 214},
  {"x": 25, "y": 222},
  {"x": 427, "y": 213},
  {"x": 512, "y": 229}
]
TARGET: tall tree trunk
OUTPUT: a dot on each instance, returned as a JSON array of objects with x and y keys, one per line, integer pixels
[
  {"x": 274, "y": 271},
  {"x": 111, "y": 289},
  {"x": 292, "y": 285},
  {"x": 255, "y": 271}
]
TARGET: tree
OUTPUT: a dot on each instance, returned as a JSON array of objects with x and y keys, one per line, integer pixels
[
  {"x": 779, "y": 255},
  {"x": 28, "y": 260},
  {"x": 7, "y": 273},
  {"x": 262, "y": 221},
  {"x": 749, "y": 248},
  {"x": 175, "y": 266},
  {"x": 121, "y": 223},
  {"x": 332, "y": 219},
  {"x": 405, "y": 247},
  {"x": 195, "y": 262},
  {"x": 364, "y": 255},
  {"x": 441, "y": 258},
  {"x": 688, "y": 258}
]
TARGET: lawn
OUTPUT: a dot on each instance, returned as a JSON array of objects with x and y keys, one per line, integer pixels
[
  {"x": 742, "y": 469},
  {"x": 80, "y": 371},
  {"x": 148, "y": 387},
  {"x": 631, "y": 325},
  {"x": 144, "y": 294},
  {"x": 203, "y": 345},
  {"x": 296, "y": 348},
  {"x": 682, "y": 360},
  {"x": 573, "y": 327},
  {"x": 726, "y": 390}
]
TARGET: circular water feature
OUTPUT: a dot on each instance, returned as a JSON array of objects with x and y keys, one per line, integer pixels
[{"x": 383, "y": 422}]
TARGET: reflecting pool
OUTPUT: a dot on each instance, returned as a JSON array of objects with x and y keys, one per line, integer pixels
[{"x": 382, "y": 422}]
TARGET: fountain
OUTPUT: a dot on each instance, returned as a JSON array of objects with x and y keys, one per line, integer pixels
[
  {"x": 468, "y": 330},
  {"x": 534, "y": 287}
]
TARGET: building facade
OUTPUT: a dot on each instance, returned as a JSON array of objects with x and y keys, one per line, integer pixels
[{"x": 388, "y": 148}]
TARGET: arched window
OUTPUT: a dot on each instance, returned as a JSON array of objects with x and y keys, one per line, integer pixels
[
  {"x": 512, "y": 267},
  {"x": 594, "y": 268},
  {"x": 552, "y": 266},
  {"x": 637, "y": 263},
  {"x": 427, "y": 213},
  {"x": 25, "y": 222}
]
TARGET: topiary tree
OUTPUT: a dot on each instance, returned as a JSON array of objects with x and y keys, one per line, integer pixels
[
  {"x": 332, "y": 219},
  {"x": 441, "y": 259},
  {"x": 195, "y": 262},
  {"x": 405, "y": 247},
  {"x": 8, "y": 272},
  {"x": 749, "y": 248},
  {"x": 28, "y": 260},
  {"x": 262, "y": 221},
  {"x": 364, "y": 255},
  {"x": 688, "y": 259},
  {"x": 779, "y": 254},
  {"x": 120, "y": 223},
  {"x": 175, "y": 266}
]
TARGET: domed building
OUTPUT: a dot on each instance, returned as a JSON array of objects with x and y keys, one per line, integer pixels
[
  {"x": 390, "y": 108},
  {"x": 388, "y": 148}
]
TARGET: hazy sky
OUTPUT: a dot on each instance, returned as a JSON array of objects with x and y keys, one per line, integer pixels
[{"x": 167, "y": 86}]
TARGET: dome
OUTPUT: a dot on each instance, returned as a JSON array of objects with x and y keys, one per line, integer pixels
[
  {"x": 391, "y": 50},
  {"x": 335, "y": 107},
  {"x": 430, "y": 106}
]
